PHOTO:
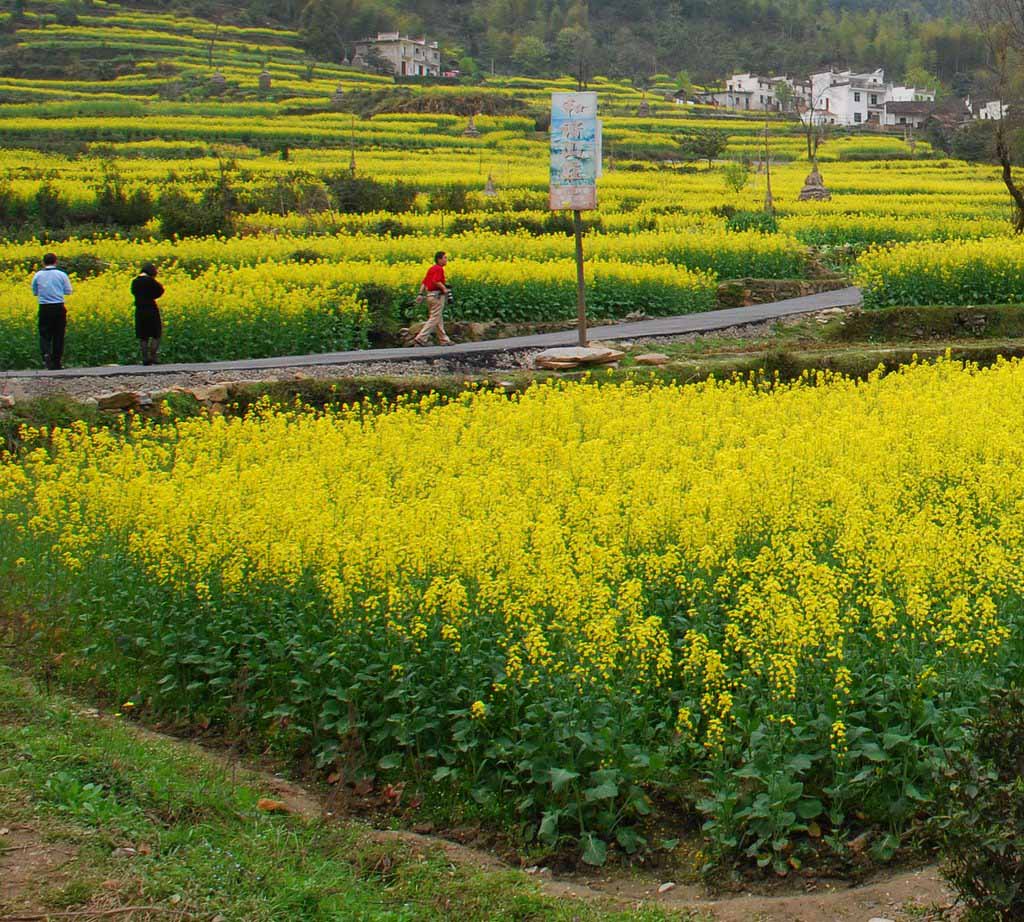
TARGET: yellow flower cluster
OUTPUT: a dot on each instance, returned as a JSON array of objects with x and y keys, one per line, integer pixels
[
  {"x": 982, "y": 271},
  {"x": 224, "y": 312},
  {"x": 281, "y": 308},
  {"x": 696, "y": 247},
  {"x": 796, "y": 565}
]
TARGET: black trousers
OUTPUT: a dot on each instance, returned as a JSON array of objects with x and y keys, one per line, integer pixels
[{"x": 53, "y": 321}]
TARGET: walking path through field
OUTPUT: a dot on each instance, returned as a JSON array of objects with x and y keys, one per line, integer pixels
[{"x": 659, "y": 326}]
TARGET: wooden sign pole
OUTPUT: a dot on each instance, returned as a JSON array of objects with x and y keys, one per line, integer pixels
[
  {"x": 575, "y": 167},
  {"x": 581, "y": 291}
]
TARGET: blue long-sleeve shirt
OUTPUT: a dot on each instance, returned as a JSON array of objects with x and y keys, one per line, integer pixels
[{"x": 50, "y": 285}]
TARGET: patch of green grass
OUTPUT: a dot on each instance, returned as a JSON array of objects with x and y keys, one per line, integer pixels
[
  {"x": 926, "y": 324},
  {"x": 75, "y": 893},
  {"x": 202, "y": 846}
]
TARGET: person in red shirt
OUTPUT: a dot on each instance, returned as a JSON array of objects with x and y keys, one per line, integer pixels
[{"x": 435, "y": 289}]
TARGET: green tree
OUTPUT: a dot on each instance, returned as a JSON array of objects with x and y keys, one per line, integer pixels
[
  {"x": 703, "y": 144},
  {"x": 920, "y": 78},
  {"x": 975, "y": 142},
  {"x": 575, "y": 52},
  {"x": 735, "y": 175},
  {"x": 325, "y": 26},
  {"x": 530, "y": 56},
  {"x": 684, "y": 84},
  {"x": 376, "y": 62},
  {"x": 784, "y": 96}
]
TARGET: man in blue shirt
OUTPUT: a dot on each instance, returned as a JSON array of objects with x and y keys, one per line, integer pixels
[{"x": 50, "y": 285}]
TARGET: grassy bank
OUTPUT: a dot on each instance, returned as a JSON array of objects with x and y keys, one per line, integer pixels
[{"x": 99, "y": 818}]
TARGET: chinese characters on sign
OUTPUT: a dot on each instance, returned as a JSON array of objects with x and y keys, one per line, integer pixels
[{"x": 575, "y": 151}]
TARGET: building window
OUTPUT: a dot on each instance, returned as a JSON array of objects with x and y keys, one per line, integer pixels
[
  {"x": 856, "y": 97},
  {"x": 856, "y": 117},
  {"x": 903, "y": 120},
  {"x": 874, "y": 99}
]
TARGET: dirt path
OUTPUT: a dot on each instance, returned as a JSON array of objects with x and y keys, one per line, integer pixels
[
  {"x": 905, "y": 895},
  {"x": 27, "y": 859},
  {"x": 917, "y": 895},
  {"x": 85, "y": 384}
]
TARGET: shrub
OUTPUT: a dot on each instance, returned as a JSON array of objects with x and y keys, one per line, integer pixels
[
  {"x": 449, "y": 197},
  {"x": 361, "y": 195},
  {"x": 12, "y": 208},
  {"x": 211, "y": 215},
  {"x": 294, "y": 192},
  {"x": 182, "y": 216},
  {"x": 116, "y": 205},
  {"x": 981, "y": 828},
  {"x": 753, "y": 220},
  {"x": 83, "y": 265},
  {"x": 49, "y": 208},
  {"x": 735, "y": 175}
]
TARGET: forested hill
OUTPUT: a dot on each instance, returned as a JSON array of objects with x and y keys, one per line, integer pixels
[{"x": 623, "y": 38}]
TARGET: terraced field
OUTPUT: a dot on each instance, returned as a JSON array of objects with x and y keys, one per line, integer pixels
[
  {"x": 577, "y": 613},
  {"x": 156, "y": 151}
]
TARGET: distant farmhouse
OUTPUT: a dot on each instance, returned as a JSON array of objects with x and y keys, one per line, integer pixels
[
  {"x": 991, "y": 111},
  {"x": 752, "y": 93},
  {"x": 408, "y": 57},
  {"x": 846, "y": 98}
]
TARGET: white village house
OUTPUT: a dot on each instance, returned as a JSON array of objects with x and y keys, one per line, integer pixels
[
  {"x": 829, "y": 98},
  {"x": 848, "y": 98},
  {"x": 408, "y": 57},
  {"x": 991, "y": 111},
  {"x": 753, "y": 93},
  {"x": 906, "y": 114}
]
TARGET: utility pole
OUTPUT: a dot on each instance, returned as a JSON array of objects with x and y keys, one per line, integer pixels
[{"x": 352, "y": 144}]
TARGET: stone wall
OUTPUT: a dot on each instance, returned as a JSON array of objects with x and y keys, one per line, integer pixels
[{"x": 741, "y": 292}]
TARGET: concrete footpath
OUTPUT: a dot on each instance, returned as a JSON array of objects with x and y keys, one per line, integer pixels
[{"x": 659, "y": 326}]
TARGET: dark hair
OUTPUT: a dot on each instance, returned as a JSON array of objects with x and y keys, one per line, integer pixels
[
  {"x": 50, "y": 259},
  {"x": 148, "y": 269},
  {"x": 439, "y": 255}
]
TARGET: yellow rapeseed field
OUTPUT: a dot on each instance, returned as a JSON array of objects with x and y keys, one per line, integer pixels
[{"x": 569, "y": 600}]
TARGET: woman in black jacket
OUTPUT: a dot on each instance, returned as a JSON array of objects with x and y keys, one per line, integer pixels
[{"x": 148, "y": 325}]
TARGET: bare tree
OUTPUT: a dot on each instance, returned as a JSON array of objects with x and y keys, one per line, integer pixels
[
  {"x": 1002, "y": 23},
  {"x": 815, "y": 129},
  {"x": 213, "y": 41}
]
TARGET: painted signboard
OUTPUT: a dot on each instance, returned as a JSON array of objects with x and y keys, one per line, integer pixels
[{"x": 575, "y": 151}]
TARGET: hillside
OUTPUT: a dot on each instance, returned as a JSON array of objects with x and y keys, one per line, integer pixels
[{"x": 630, "y": 40}]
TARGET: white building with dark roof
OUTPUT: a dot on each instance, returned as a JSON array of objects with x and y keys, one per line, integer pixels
[
  {"x": 408, "y": 57},
  {"x": 850, "y": 99}
]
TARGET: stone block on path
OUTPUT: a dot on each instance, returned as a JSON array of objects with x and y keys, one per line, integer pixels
[
  {"x": 562, "y": 358},
  {"x": 119, "y": 400},
  {"x": 210, "y": 393}
]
